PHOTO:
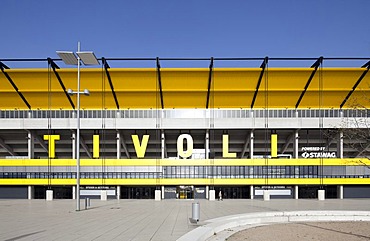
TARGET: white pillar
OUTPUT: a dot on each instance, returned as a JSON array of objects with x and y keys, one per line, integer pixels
[
  {"x": 207, "y": 145},
  {"x": 296, "y": 196},
  {"x": 49, "y": 195},
  {"x": 296, "y": 144},
  {"x": 73, "y": 145},
  {"x": 73, "y": 192},
  {"x": 251, "y": 192},
  {"x": 340, "y": 145},
  {"x": 30, "y": 192},
  {"x": 212, "y": 195},
  {"x": 118, "y": 192},
  {"x": 74, "y": 188},
  {"x": 118, "y": 139},
  {"x": 266, "y": 195},
  {"x": 251, "y": 145},
  {"x": 162, "y": 189},
  {"x": 31, "y": 145},
  {"x": 163, "y": 143},
  {"x": 157, "y": 195},
  {"x": 103, "y": 195},
  {"x": 340, "y": 192},
  {"x": 321, "y": 195}
]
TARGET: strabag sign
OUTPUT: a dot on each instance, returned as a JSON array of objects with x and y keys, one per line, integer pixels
[{"x": 317, "y": 152}]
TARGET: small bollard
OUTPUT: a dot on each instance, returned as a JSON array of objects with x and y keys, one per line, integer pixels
[{"x": 195, "y": 213}]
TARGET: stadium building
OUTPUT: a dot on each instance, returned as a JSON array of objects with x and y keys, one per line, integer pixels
[{"x": 186, "y": 133}]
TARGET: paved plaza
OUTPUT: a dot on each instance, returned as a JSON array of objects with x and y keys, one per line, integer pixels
[{"x": 136, "y": 219}]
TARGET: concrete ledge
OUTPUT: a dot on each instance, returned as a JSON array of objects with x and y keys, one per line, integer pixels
[{"x": 217, "y": 225}]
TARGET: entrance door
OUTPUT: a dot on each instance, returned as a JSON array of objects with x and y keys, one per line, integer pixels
[{"x": 185, "y": 192}]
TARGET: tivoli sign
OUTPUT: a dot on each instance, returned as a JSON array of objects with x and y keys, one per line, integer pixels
[{"x": 141, "y": 145}]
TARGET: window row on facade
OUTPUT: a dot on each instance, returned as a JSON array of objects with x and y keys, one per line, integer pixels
[
  {"x": 212, "y": 172},
  {"x": 181, "y": 113}
]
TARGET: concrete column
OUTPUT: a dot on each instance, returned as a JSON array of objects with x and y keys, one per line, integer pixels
[
  {"x": 49, "y": 195},
  {"x": 163, "y": 144},
  {"x": 162, "y": 189},
  {"x": 31, "y": 145},
  {"x": 119, "y": 146},
  {"x": 74, "y": 192},
  {"x": 118, "y": 192},
  {"x": 207, "y": 144},
  {"x": 206, "y": 148},
  {"x": 103, "y": 195},
  {"x": 340, "y": 192},
  {"x": 266, "y": 195},
  {"x": 296, "y": 144},
  {"x": 212, "y": 195},
  {"x": 251, "y": 145},
  {"x": 340, "y": 145},
  {"x": 74, "y": 147},
  {"x": 157, "y": 195},
  {"x": 321, "y": 195},
  {"x": 296, "y": 192},
  {"x": 30, "y": 192},
  {"x": 251, "y": 192}
]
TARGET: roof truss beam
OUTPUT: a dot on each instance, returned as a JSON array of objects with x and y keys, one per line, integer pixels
[
  {"x": 365, "y": 149},
  {"x": 7, "y": 147},
  {"x": 124, "y": 146},
  {"x": 85, "y": 147},
  {"x": 288, "y": 140},
  {"x": 329, "y": 142},
  {"x": 54, "y": 66},
  {"x": 106, "y": 67},
  {"x": 3, "y": 67},
  {"x": 41, "y": 142},
  {"x": 263, "y": 67},
  {"x": 209, "y": 82},
  {"x": 367, "y": 66},
  {"x": 316, "y": 65},
  {"x": 246, "y": 144},
  {"x": 160, "y": 82}
]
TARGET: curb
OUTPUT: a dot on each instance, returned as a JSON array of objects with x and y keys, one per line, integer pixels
[{"x": 218, "y": 225}]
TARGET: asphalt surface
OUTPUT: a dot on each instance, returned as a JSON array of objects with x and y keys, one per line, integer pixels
[{"x": 136, "y": 219}]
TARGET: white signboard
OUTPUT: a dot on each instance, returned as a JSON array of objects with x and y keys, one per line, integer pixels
[{"x": 317, "y": 152}]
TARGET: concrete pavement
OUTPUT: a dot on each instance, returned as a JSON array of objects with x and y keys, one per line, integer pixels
[{"x": 136, "y": 219}]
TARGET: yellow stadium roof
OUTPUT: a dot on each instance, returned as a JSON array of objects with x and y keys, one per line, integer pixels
[{"x": 186, "y": 88}]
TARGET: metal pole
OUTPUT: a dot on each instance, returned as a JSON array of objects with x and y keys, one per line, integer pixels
[{"x": 78, "y": 131}]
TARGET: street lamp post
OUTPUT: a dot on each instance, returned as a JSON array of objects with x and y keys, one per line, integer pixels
[{"x": 87, "y": 58}]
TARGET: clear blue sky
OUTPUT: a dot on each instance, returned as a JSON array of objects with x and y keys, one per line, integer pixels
[{"x": 191, "y": 28}]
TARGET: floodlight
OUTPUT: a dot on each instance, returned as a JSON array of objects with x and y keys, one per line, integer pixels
[
  {"x": 68, "y": 57},
  {"x": 88, "y": 58},
  {"x": 70, "y": 92}
]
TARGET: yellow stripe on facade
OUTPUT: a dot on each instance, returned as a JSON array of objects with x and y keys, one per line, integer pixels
[
  {"x": 190, "y": 181},
  {"x": 188, "y": 162}
]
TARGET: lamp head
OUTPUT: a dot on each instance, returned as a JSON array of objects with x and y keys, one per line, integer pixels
[{"x": 70, "y": 92}]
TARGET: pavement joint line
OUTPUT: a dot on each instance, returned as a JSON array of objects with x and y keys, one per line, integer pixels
[{"x": 215, "y": 226}]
